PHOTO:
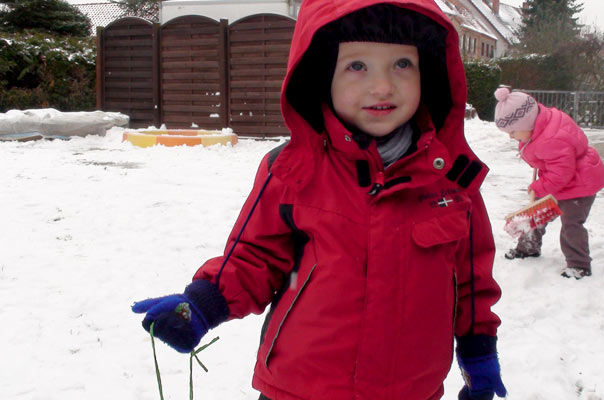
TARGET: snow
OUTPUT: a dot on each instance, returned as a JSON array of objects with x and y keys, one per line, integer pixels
[
  {"x": 76, "y": 2},
  {"x": 444, "y": 7},
  {"x": 50, "y": 122},
  {"x": 90, "y": 225},
  {"x": 486, "y": 11},
  {"x": 511, "y": 16}
]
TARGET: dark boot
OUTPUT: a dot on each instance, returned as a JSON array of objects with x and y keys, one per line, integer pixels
[
  {"x": 516, "y": 253},
  {"x": 576, "y": 272}
]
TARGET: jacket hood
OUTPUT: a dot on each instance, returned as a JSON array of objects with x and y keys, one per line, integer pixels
[{"x": 315, "y": 14}]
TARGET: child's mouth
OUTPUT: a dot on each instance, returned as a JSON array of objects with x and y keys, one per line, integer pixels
[{"x": 380, "y": 109}]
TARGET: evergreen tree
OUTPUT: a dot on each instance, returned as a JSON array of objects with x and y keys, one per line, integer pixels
[
  {"x": 549, "y": 25},
  {"x": 550, "y": 28},
  {"x": 147, "y": 9},
  {"x": 55, "y": 16}
]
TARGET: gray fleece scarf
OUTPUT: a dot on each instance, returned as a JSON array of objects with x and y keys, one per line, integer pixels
[{"x": 395, "y": 144}]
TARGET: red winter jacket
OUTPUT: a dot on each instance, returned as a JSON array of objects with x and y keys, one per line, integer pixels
[
  {"x": 568, "y": 166},
  {"x": 366, "y": 290}
]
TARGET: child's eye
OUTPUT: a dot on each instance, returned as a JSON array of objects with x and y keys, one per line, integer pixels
[
  {"x": 356, "y": 66},
  {"x": 404, "y": 63}
]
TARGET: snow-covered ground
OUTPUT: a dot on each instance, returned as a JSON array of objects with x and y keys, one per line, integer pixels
[{"x": 89, "y": 225}]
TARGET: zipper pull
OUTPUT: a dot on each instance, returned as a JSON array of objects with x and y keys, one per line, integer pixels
[{"x": 378, "y": 185}]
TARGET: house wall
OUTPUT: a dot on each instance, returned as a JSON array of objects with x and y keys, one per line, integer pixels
[
  {"x": 473, "y": 44},
  {"x": 477, "y": 44},
  {"x": 231, "y": 10},
  {"x": 502, "y": 43}
]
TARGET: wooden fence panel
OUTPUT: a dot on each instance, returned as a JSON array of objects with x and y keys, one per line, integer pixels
[
  {"x": 196, "y": 71},
  {"x": 258, "y": 48},
  {"x": 193, "y": 73},
  {"x": 127, "y": 75}
]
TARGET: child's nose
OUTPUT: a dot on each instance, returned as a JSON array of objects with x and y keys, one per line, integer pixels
[{"x": 381, "y": 85}]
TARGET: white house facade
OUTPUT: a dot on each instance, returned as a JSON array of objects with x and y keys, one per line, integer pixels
[{"x": 232, "y": 10}]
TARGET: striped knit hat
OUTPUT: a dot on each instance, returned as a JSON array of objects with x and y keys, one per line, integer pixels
[{"x": 515, "y": 111}]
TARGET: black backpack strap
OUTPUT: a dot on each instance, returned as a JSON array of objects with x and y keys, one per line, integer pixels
[{"x": 274, "y": 153}]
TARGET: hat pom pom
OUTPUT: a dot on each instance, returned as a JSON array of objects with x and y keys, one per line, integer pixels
[{"x": 502, "y": 94}]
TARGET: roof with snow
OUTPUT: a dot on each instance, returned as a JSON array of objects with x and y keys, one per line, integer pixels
[
  {"x": 506, "y": 23},
  {"x": 76, "y": 2},
  {"x": 100, "y": 13},
  {"x": 511, "y": 16},
  {"x": 445, "y": 7},
  {"x": 466, "y": 16}
]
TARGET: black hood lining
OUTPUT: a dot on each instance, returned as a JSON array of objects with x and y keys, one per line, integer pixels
[{"x": 310, "y": 83}]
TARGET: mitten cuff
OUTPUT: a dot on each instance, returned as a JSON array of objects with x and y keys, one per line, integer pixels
[
  {"x": 476, "y": 345},
  {"x": 209, "y": 301}
]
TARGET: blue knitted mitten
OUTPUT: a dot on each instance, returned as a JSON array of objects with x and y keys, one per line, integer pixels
[
  {"x": 181, "y": 320},
  {"x": 477, "y": 358}
]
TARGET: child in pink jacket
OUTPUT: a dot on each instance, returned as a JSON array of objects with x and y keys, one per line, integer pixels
[{"x": 569, "y": 169}]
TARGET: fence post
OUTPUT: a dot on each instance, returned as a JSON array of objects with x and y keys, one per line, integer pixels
[
  {"x": 156, "y": 75},
  {"x": 576, "y": 106},
  {"x": 100, "y": 70},
  {"x": 224, "y": 72}
]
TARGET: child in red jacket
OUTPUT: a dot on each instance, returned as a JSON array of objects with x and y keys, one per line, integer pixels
[
  {"x": 366, "y": 233},
  {"x": 569, "y": 169}
]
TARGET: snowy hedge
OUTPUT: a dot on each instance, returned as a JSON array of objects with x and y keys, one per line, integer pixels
[
  {"x": 482, "y": 77},
  {"x": 535, "y": 72},
  {"x": 44, "y": 70}
]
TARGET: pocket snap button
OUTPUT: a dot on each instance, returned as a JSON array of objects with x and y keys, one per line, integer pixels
[{"x": 438, "y": 163}]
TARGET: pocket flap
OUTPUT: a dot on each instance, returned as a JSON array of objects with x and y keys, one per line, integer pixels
[{"x": 442, "y": 229}]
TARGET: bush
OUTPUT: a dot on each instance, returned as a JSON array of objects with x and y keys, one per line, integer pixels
[
  {"x": 482, "y": 77},
  {"x": 537, "y": 72},
  {"x": 56, "y": 16},
  {"x": 43, "y": 70}
]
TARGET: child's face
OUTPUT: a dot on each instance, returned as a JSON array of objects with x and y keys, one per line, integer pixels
[
  {"x": 376, "y": 86},
  {"x": 521, "y": 136}
]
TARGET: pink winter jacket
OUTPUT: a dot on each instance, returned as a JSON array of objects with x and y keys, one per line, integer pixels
[{"x": 568, "y": 167}]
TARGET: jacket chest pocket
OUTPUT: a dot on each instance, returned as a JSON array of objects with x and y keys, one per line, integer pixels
[
  {"x": 445, "y": 229},
  {"x": 439, "y": 246}
]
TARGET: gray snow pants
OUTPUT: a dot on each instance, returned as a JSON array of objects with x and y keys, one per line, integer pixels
[{"x": 574, "y": 239}]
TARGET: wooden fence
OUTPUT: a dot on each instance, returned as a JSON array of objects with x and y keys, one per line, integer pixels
[
  {"x": 586, "y": 108},
  {"x": 195, "y": 71}
]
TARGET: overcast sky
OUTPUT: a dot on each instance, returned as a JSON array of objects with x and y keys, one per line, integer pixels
[{"x": 592, "y": 14}]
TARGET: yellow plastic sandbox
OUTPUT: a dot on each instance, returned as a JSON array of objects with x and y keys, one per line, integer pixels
[{"x": 178, "y": 137}]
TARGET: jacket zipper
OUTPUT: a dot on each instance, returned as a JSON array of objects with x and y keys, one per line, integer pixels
[
  {"x": 268, "y": 354},
  {"x": 454, "y": 312},
  {"x": 378, "y": 185},
  {"x": 456, "y": 300}
]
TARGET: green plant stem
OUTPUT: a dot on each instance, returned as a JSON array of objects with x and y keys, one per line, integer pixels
[
  {"x": 193, "y": 354},
  {"x": 157, "y": 374}
]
